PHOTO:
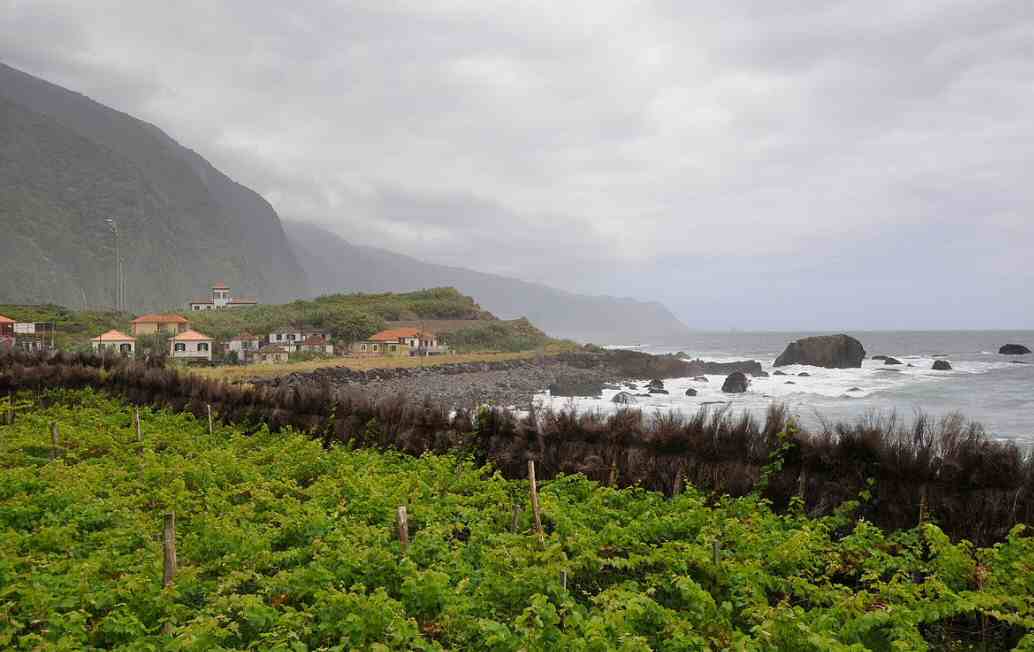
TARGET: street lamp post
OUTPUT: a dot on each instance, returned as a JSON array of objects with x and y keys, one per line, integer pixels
[{"x": 113, "y": 225}]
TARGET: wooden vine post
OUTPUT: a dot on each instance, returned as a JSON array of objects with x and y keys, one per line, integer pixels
[
  {"x": 55, "y": 439},
  {"x": 716, "y": 552},
  {"x": 403, "y": 526},
  {"x": 136, "y": 421},
  {"x": 535, "y": 502},
  {"x": 169, "y": 549},
  {"x": 208, "y": 407}
]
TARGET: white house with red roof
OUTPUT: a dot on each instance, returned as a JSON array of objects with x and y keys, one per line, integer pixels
[
  {"x": 191, "y": 345},
  {"x": 399, "y": 342},
  {"x": 221, "y": 298},
  {"x": 6, "y": 332},
  {"x": 116, "y": 341}
]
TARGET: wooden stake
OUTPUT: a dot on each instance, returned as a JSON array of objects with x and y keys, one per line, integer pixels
[
  {"x": 923, "y": 513},
  {"x": 535, "y": 502},
  {"x": 55, "y": 439},
  {"x": 136, "y": 420},
  {"x": 716, "y": 551},
  {"x": 613, "y": 480},
  {"x": 208, "y": 407},
  {"x": 169, "y": 546},
  {"x": 676, "y": 485},
  {"x": 403, "y": 525},
  {"x": 516, "y": 517}
]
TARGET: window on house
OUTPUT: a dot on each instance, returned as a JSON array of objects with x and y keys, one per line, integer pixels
[
  {"x": 376, "y": 347},
  {"x": 362, "y": 347},
  {"x": 202, "y": 346},
  {"x": 290, "y": 337},
  {"x": 394, "y": 348},
  {"x": 180, "y": 347},
  {"x": 126, "y": 348}
]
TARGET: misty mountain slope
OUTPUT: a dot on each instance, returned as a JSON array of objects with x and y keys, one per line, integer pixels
[
  {"x": 67, "y": 162},
  {"x": 335, "y": 265}
]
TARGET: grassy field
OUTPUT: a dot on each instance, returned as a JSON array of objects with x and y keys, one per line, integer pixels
[{"x": 234, "y": 373}]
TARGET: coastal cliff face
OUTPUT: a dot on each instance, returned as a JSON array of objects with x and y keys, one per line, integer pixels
[{"x": 67, "y": 163}]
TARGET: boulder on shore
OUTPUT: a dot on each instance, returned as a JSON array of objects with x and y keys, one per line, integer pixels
[
  {"x": 830, "y": 351},
  {"x": 778, "y": 373},
  {"x": 804, "y": 374},
  {"x": 1014, "y": 349},
  {"x": 941, "y": 365},
  {"x": 880, "y": 357},
  {"x": 890, "y": 360},
  {"x": 736, "y": 383},
  {"x": 691, "y": 392}
]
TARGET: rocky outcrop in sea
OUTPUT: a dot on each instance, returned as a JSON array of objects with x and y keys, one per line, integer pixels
[{"x": 830, "y": 351}]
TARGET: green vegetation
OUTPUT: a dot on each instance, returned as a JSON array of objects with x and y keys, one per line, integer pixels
[
  {"x": 513, "y": 335},
  {"x": 284, "y": 545}
]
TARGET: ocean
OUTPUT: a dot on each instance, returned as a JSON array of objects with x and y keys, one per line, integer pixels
[{"x": 992, "y": 389}]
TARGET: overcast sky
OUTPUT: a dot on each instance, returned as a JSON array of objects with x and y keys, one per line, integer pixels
[{"x": 752, "y": 164}]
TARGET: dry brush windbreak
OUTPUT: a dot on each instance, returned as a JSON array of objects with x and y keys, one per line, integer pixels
[{"x": 948, "y": 471}]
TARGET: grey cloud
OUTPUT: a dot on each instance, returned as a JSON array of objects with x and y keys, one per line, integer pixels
[{"x": 660, "y": 149}]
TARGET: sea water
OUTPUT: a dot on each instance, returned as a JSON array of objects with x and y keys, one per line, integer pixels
[{"x": 994, "y": 390}]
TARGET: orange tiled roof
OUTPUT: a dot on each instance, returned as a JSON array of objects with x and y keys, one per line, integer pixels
[
  {"x": 113, "y": 336},
  {"x": 156, "y": 318},
  {"x": 219, "y": 285},
  {"x": 192, "y": 336},
  {"x": 394, "y": 334},
  {"x": 6, "y": 320}
]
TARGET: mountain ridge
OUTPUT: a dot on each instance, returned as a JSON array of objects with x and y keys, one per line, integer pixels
[{"x": 334, "y": 264}]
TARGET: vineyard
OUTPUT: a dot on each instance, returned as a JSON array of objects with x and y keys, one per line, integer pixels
[{"x": 283, "y": 543}]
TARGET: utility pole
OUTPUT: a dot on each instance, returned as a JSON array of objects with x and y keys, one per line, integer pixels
[{"x": 119, "y": 280}]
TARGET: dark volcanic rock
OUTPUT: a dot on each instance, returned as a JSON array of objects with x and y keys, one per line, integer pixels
[
  {"x": 623, "y": 398},
  {"x": 691, "y": 392},
  {"x": 736, "y": 383},
  {"x": 891, "y": 361},
  {"x": 855, "y": 389},
  {"x": 760, "y": 374},
  {"x": 830, "y": 351},
  {"x": 659, "y": 391},
  {"x": 880, "y": 357},
  {"x": 573, "y": 387},
  {"x": 941, "y": 365},
  {"x": 789, "y": 382},
  {"x": 655, "y": 385},
  {"x": 804, "y": 374},
  {"x": 778, "y": 373},
  {"x": 1014, "y": 349}
]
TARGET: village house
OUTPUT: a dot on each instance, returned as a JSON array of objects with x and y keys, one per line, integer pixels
[
  {"x": 399, "y": 342},
  {"x": 116, "y": 341},
  {"x": 316, "y": 344},
  {"x": 191, "y": 345},
  {"x": 271, "y": 354},
  {"x": 221, "y": 298},
  {"x": 6, "y": 332},
  {"x": 292, "y": 338},
  {"x": 244, "y": 345},
  {"x": 154, "y": 324}
]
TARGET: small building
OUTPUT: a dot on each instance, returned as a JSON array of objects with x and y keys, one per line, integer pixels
[
  {"x": 116, "y": 341},
  {"x": 244, "y": 345},
  {"x": 6, "y": 332},
  {"x": 316, "y": 344},
  {"x": 272, "y": 354},
  {"x": 153, "y": 324},
  {"x": 292, "y": 338},
  {"x": 399, "y": 342},
  {"x": 220, "y": 298},
  {"x": 191, "y": 345}
]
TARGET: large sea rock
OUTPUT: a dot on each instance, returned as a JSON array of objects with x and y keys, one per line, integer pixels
[
  {"x": 830, "y": 351},
  {"x": 1014, "y": 349},
  {"x": 736, "y": 383}
]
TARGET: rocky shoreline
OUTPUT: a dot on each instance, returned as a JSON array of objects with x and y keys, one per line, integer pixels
[{"x": 511, "y": 382}]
